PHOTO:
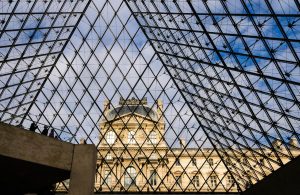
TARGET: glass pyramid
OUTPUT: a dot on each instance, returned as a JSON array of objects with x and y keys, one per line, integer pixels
[{"x": 219, "y": 78}]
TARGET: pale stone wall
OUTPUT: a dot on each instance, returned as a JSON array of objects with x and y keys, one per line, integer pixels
[
  {"x": 162, "y": 161},
  {"x": 122, "y": 154}
]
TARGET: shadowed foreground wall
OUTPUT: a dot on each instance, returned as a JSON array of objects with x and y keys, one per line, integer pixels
[
  {"x": 30, "y": 162},
  {"x": 284, "y": 181}
]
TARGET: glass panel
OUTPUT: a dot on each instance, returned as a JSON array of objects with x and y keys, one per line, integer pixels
[{"x": 177, "y": 96}]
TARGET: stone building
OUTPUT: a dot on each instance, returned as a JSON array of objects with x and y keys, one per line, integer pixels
[
  {"x": 133, "y": 155},
  {"x": 128, "y": 134}
]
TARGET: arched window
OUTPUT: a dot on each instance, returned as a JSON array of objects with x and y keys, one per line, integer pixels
[
  {"x": 131, "y": 139},
  {"x": 107, "y": 178},
  {"x": 130, "y": 175},
  {"x": 153, "y": 181},
  {"x": 210, "y": 161},
  {"x": 196, "y": 181},
  {"x": 213, "y": 181},
  {"x": 152, "y": 137},
  {"x": 229, "y": 182},
  {"x": 110, "y": 137}
]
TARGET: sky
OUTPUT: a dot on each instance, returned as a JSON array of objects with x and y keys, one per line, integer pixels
[
  {"x": 138, "y": 64},
  {"x": 136, "y": 60},
  {"x": 215, "y": 62}
]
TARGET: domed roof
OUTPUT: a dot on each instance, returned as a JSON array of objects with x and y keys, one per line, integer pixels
[{"x": 131, "y": 109}]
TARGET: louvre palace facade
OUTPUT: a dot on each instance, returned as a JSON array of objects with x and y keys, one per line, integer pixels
[
  {"x": 216, "y": 87},
  {"x": 134, "y": 156}
]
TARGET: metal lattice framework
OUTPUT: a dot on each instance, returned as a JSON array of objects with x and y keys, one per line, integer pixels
[{"x": 227, "y": 72}]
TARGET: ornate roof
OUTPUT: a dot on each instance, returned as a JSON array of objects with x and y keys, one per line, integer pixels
[{"x": 123, "y": 110}]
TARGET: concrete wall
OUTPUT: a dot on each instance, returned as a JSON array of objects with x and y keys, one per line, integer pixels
[
  {"x": 33, "y": 147},
  {"x": 83, "y": 170},
  {"x": 284, "y": 181},
  {"x": 43, "y": 158}
]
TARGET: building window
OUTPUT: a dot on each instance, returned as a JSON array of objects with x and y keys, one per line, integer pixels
[
  {"x": 262, "y": 162},
  {"x": 213, "y": 181},
  {"x": 230, "y": 181},
  {"x": 131, "y": 139},
  {"x": 108, "y": 156},
  {"x": 177, "y": 162},
  {"x": 178, "y": 181},
  {"x": 110, "y": 137},
  {"x": 196, "y": 181},
  {"x": 130, "y": 175},
  {"x": 227, "y": 161},
  {"x": 153, "y": 178},
  {"x": 152, "y": 137},
  {"x": 107, "y": 178},
  {"x": 194, "y": 161},
  {"x": 210, "y": 161}
]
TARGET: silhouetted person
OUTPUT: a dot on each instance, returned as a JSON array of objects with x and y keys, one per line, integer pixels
[
  {"x": 45, "y": 130},
  {"x": 52, "y": 132},
  {"x": 33, "y": 127}
]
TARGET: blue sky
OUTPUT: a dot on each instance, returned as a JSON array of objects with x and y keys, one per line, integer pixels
[{"x": 110, "y": 57}]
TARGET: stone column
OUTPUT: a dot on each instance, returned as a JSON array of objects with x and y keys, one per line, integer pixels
[{"x": 83, "y": 170}]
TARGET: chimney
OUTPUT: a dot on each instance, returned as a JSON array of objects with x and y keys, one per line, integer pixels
[
  {"x": 182, "y": 143},
  {"x": 106, "y": 106},
  {"x": 159, "y": 108}
]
